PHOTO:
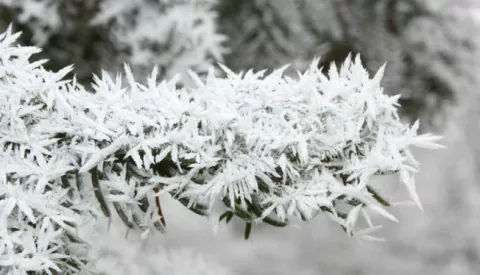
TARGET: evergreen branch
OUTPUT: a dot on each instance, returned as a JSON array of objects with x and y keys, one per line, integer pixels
[
  {"x": 122, "y": 215},
  {"x": 237, "y": 138},
  {"x": 248, "y": 230},
  {"x": 98, "y": 192},
  {"x": 255, "y": 207},
  {"x": 377, "y": 197}
]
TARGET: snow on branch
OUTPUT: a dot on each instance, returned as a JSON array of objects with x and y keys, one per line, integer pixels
[{"x": 267, "y": 147}]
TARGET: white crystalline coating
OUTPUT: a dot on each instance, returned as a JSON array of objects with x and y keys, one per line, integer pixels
[{"x": 228, "y": 138}]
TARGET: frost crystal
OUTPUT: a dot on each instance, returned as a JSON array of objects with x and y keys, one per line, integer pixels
[{"x": 269, "y": 147}]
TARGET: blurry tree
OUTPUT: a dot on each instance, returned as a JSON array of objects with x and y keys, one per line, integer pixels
[
  {"x": 102, "y": 34},
  {"x": 430, "y": 46},
  {"x": 62, "y": 28}
]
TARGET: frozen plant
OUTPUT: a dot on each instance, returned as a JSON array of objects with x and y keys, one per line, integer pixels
[
  {"x": 37, "y": 218},
  {"x": 267, "y": 148}
]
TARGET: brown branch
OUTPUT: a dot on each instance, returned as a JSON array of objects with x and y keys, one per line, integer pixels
[{"x": 159, "y": 207}]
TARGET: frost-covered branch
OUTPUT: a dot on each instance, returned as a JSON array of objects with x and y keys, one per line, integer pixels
[{"x": 268, "y": 148}]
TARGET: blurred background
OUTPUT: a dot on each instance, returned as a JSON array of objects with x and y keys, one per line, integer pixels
[{"x": 432, "y": 51}]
